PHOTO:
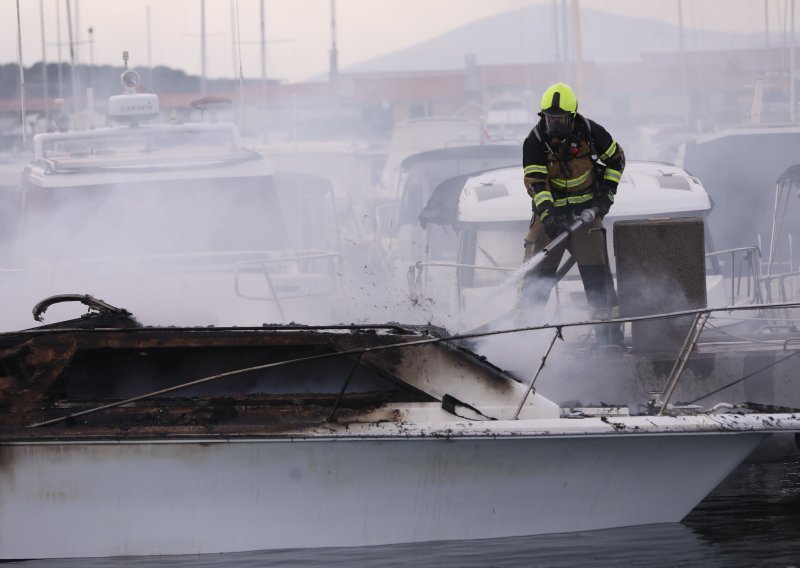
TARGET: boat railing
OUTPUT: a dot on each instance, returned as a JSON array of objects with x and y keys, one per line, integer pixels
[
  {"x": 417, "y": 276},
  {"x": 168, "y": 262},
  {"x": 783, "y": 287},
  {"x": 289, "y": 276},
  {"x": 662, "y": 406},
  {"x": 782, "y": 258},
  {"x": 747, "y": 271},
  {"x": 701, "y": 317}
]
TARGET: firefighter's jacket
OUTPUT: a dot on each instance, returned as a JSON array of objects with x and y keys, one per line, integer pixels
[{"x": 566, "y": 174}]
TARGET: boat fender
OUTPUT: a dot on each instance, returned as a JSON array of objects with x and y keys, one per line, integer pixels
[{"x": 462, "y": 409}]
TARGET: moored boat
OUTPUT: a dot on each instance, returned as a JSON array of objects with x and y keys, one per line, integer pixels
[
  {"x": 119, "y": 439},
  {"x": 176, "y": 210}
]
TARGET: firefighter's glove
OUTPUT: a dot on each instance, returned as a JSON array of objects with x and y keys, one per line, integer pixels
[
  {"x": 554, "y": 226},
  {"x": 602, "y": 201}
]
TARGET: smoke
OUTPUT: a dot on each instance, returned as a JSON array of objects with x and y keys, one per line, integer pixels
[
  {"x": 739, "y": 169},
  {"x": 202, "y": 251}
]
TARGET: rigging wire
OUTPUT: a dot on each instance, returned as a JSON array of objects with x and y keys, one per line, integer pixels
[
  {"x": 737, "y": 381},
  {"x": 748, "y": 339}
]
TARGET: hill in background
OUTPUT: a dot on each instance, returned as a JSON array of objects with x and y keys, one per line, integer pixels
[{"x": 528, "y": 35}]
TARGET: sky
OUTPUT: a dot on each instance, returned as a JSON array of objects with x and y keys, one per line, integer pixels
[{"x": 298, "y": 32}]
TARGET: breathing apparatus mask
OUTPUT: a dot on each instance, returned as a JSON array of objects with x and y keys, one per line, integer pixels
[{"x": 557, "y": 124}]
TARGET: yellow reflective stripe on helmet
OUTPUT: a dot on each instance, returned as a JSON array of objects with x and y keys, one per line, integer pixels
[
  {"x": 610, "y": 151},
  {"x": 544, "y": 214},
  {"x": 533, "y": 169},
  {"x": 541, "y": 197},
  {"x": 573, "y": 182},
  {"x": 612, "y": 175}
]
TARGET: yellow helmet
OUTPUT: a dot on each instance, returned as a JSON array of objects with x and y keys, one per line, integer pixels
[{"x": 559, "y": 106}]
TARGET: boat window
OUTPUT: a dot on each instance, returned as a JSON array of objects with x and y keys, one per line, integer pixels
[
  {"x": 490, "y": 191},
  {"x": 442, "y": 243},
  {"x": 75, "y": 152},
  {"x": 308, "y": 210},
  {"x": 673, "y": 182},
  {"x": 496, "y": 246}
]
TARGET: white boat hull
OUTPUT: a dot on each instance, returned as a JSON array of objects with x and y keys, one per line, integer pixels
[{"x": 131, "y": 498}]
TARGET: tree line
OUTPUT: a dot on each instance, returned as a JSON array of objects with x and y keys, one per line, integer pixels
[{"x": 104, "y": 79}]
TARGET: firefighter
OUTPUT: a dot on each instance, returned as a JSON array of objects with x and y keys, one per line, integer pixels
[{"x": 570, "y": 163}]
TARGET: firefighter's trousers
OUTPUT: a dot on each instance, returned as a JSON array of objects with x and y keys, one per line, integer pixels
[{"x": 588, "y": 246}]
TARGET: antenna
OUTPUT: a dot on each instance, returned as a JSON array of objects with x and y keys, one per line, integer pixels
[{"x": 132, "y": 105}]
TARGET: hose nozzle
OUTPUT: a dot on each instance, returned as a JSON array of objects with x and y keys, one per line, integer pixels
[{"x": 588, "y": 215}]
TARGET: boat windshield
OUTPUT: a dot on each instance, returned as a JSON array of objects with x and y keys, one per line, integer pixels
[
  {"x": 138, "y": 148},
  {"x": 492, "y": 247}
]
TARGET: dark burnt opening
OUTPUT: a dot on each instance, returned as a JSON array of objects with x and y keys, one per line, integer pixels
[{"x": 122, "y": 373}]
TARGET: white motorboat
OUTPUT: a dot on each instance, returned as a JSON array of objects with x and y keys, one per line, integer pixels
[
  {"x": 491, "y": 212},
  {"x": 179, "y": 220},
  {"x": 122, "y": 440}
]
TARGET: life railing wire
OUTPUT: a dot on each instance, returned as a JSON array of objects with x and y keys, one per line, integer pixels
[{"x": 430, "y": 340}]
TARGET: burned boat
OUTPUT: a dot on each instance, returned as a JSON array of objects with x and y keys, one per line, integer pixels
[{"x": 118, "y": 439}]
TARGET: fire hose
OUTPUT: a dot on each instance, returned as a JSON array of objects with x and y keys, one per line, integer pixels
[{"x": 557, "y": 244}]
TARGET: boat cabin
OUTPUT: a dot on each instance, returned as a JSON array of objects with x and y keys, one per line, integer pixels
[{"x": 491, "y": 212}]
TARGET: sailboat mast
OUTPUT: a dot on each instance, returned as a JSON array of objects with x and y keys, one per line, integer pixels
[
  {"x": 21, "y": 78},
  {"x": 234, "y": 39},
  {"x": 334, "y": 52},
  {"x": 263, "y": 57},
  {"x": 682, "y": 60},
  {"x": 45, "y": 83},
  {"x": 149, "y": 53},
  {"x": 766, "y": 24},
  {"x": 792, "y": 93},
  {"x": 576, "y": 41},
  {"x": 72, "y": 66},
  {"x": 203, "y": 47},
  {"x": 60, "y": 60}
]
